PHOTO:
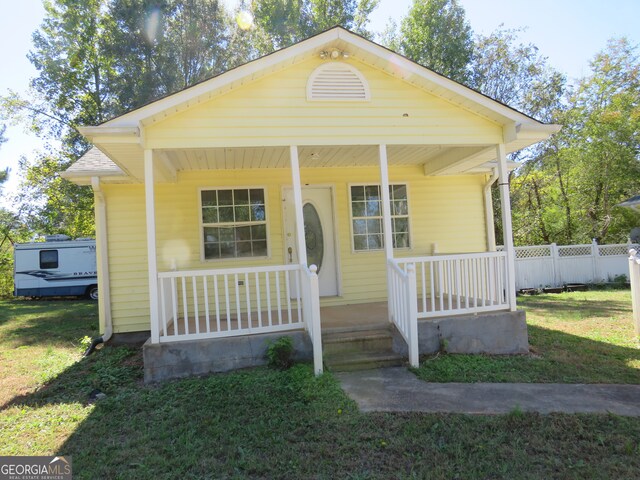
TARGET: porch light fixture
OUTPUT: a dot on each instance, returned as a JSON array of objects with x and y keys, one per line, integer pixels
[{"x": 333, "y": 54}]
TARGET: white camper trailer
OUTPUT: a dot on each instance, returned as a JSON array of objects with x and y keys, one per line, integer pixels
[{"x": 58, "y": 266}]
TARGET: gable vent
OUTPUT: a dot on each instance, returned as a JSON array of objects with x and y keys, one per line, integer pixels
[{"x": 337, "y": 81}]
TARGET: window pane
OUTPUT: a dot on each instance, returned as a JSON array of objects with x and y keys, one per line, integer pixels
[
  {"x": 243, "y": 233},
  {"x": 357, "y": 193},
  {"x": 400, "y": 225},
  {"x": 244, "y": 249},
  {"x": 241, "y": 197},
  {"x": 211, "y": 250},
  {"x": 358, "y": 209},
  {"x": 374, "y": 226},
  {"x": 225, "y": 197},
  {"x": 360, "y": 242},
  {"x": 257, "y": 196},
  {"x": 359, "y": 227},
  {"x": 399, "y": 207},
  {"x": 257, "y": 213},
  {"x": 210, "y": 215},
  {"x": 208, "y": 198},
  {"x": 211, "y": 234},
  {"x": 374, "y": 242},
  {"x": 227, "y": 234},
  {"x": 373, "y": 208},
  {"x": 401, "y": 240},
  {"x": 227, "y": 250},
  {"x": 259, "y": 232},
  {"x": 48, "y": 259},
  {"x": 260, "y": 248},
  {"x": 242, "y": 214},
  {"x": 372, "y": 192},
  {"x": 226, "y": 214},
  {"x": 398, "y": 192}
]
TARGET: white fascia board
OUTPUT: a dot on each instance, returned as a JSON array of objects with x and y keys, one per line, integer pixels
[
  {"x": 243, "y": 71},
  {"x": 105, "y": 131}
]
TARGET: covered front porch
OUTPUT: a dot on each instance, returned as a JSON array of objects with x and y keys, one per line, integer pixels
[{"x": 267, "y": 298}]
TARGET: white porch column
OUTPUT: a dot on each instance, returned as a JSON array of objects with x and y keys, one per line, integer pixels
[
  {"x": 507, "y": 230},
  {"x": 297, "y": 201},
  {"x": 149, "y": 196},
  {"x": 386, "y": 219},
  {"x": 386, "y": 209}
]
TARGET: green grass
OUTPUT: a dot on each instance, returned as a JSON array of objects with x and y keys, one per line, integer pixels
[
  {"x": 265, "y": 423},
  {"x": 579, "y": 337}
]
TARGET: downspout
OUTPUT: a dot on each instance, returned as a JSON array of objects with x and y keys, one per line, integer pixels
[
  {"x": 104, "y": 296},
  {"x": 488, "y": 211}
]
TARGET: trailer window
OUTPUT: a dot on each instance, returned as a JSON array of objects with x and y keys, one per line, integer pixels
[{"x": 48, "y": 259}]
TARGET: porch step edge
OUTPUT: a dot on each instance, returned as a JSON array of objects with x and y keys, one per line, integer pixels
[{"x": 363, "y": 361}]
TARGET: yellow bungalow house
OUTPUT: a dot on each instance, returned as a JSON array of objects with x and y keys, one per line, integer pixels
[{"x": 332, "y": 187}]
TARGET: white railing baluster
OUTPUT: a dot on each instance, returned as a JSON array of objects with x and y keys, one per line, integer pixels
[
  {"x": 288, "y": 292},
  {"x": 267, "y": 282},
  {"x": 216, "y": 298},
  {"x": 194, "y": 285},
  {"x": 163, "y": 308},
  {"x": 185, "y": 311},
  {"x": 279, "y": 298},
  {"x": 174, "y": 304},
  {"x": 258, "y": 300},
  {"x": 238, "y": 311},
  {"x": 424, "y": 286},
  {"x": 205, "y": 293},
  {"x": 227, "y": 301},
  {"x": 298, "y": 296},
  {"x": 247, "y": 292},
  {"x": 432, "y": 286},
  {"x": 441, "y": 285}
]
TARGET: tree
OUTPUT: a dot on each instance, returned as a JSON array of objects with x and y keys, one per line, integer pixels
[
  {"x": 435, "y": 34},
  {"x": 285, "y": 22},
  {"x": 593, "y": 164}
]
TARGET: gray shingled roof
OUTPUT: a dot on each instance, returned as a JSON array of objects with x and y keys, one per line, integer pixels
[{"x": 93, "y": 162}]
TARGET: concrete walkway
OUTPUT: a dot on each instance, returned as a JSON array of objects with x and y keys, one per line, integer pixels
[{"x": 396, "y": 389}]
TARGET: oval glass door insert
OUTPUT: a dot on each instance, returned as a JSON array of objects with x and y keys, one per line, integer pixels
[{"x": 313, "y": 235}]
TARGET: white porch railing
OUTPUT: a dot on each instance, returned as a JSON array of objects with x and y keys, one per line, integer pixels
[
  {"x": 460, "y": 283},
  {"x": 199, "y": 304},
  {"x": 403, "y": 306}
]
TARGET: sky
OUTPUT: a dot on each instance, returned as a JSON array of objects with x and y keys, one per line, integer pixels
[{"x": 568, "y": 32}]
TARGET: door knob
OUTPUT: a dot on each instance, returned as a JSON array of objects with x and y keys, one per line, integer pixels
[{"x": 290, "y": 250}]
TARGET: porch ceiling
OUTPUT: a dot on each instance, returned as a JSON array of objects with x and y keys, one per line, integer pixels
[{"x": 313, "y": 156}]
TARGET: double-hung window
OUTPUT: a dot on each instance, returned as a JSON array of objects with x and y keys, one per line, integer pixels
[
  {"x": 234, "y": 223},
  {"x": 366, "y": 216}
]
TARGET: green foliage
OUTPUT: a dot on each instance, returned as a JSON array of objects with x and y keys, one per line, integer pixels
[
  {"x": 568, "y": 190},
  {"x": 436, "y": 34},
  {"x": 280, "y": 353}
]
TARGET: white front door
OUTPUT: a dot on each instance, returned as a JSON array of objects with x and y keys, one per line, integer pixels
[{"x": 317, "y": 211}]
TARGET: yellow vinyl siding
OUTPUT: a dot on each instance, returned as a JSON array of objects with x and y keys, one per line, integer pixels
[
  {"x": 447, "y": 211},
  {"x": 275, "y": 111}
]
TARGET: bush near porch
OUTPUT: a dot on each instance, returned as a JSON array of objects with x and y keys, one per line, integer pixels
[{"x": 266, "y": 423}]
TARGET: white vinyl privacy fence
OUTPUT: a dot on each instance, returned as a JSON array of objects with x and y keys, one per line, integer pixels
[{"x": 557, "y": 265}]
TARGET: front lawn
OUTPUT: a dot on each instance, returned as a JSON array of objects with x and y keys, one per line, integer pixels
[
  {"x": 579, "y": 337},
  {"x": 263, "y": 423}
]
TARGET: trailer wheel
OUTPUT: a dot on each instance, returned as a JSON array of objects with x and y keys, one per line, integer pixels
[{"x": 92, "y": 292}]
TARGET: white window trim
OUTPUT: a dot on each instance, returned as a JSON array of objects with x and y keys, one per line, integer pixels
[
  {"x": 201, "y": 224},
  {"x": 377, "y": 250}
]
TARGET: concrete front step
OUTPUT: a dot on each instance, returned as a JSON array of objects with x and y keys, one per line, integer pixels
[
  {"x": 346, "y": 362},
  {"x": 359, "y": 349},
  {"x": 374, "y": 340}
]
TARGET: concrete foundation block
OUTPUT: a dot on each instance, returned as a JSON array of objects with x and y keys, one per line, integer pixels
[
  {"x": 497, "y": 333},
  {"x": 166, "y": 361}
]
